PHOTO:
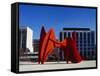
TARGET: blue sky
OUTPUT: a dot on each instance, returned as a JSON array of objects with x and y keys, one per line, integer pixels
[{"x": 55, "y": 17}]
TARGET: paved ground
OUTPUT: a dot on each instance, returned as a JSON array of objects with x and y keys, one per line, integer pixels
[{"x": 29, "y": 66}]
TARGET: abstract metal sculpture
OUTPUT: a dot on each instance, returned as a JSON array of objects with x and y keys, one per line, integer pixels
[{"x": 48, "y": 42}]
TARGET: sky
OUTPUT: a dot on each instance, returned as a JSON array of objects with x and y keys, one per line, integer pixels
[{"x": 56, "y": 17}]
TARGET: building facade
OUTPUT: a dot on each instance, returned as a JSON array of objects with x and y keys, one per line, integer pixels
[
  {"x": 26, "y": 38},
  {"x": 85, "y": 39},
  {"x": 36, "y": 49}
]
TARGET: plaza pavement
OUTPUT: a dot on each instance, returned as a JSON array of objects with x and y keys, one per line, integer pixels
[{"x": 31, "y": 66}]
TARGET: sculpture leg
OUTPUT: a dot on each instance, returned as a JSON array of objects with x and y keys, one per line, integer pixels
[{"x": 42, "y": 36}]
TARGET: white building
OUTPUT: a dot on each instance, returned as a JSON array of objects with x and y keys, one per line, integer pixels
[{"x": 26, "y": 35}]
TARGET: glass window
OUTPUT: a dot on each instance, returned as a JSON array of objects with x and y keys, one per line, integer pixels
[
  {"x": 77, "y": 35},
  {"x": 84, "y": 52},
  {"x": 88, "y": 37},
  {"x": 84, "y": 35},
  {"x": 64, "y": 35},
  {"x": 92, "y": 37},
  {"x": 69, "y": 34},
  {"x": 60, "y": 36},
  {"x": 81, "y": 35}
]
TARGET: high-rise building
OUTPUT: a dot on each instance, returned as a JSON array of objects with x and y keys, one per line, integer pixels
[
  {"x": 85, "y": 39},
  {"x": 26, "y": 38}
]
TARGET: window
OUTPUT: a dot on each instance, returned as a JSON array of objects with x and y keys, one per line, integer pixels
[
  {"x": 84, "y": 52},
  {"x": 64, "y": 35},
  {"x": 69, "y": 34},
  {"x": 80, "y": 35},
  {"x": 60, "y": 36},
  {"x": 77, "y": 35},
  {"x": 92, "y": 37},
  {"x": 84, "y": 35}
]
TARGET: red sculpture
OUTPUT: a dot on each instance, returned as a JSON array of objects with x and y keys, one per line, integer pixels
[{"x": 48, "y": 42}]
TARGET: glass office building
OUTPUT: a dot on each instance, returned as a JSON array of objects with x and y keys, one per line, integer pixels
[{"x": 85, "y": 39}]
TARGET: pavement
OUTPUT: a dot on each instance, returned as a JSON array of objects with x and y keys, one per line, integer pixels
[{"x": 31, "y": 66}]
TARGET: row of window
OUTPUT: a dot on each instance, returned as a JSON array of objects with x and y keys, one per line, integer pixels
[
  {"x": 89, "y": 45},
  {"x": 84, "y": 54},
  {"x": 87, "y": 53},
  {"x": 88, "y": 48},
  {"x": 79, "y": 35},
  {"x": 87, "y": 41}
]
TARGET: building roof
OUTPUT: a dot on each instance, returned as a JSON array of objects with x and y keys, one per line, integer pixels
[{"x": 84, "y": 29}]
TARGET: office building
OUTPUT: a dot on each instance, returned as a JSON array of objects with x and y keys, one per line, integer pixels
[
  {"x": 85, "y": 39},
  {"x": 25, "y": 38}
]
